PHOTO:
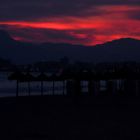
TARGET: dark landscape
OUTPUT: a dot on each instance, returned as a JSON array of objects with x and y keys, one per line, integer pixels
[
  {"x": 121, "y": 50},
  {"x": 70, "y": 70},
  {"x": 105, "y": 116},
  {"x": 59, "y": 117}
]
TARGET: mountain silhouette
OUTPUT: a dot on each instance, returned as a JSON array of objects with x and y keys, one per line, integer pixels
[
  {"x": 124, "y": 49},
  {"x": 122, "y": 42}
]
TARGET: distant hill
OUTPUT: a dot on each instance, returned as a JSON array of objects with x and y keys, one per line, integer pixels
[{"x": 125, "y": 49}]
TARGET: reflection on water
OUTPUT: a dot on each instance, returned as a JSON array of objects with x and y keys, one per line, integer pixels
[{"x": 8, "y": 88}]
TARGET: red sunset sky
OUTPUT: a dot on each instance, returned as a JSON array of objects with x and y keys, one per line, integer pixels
[{"x": 79, "y": 22}]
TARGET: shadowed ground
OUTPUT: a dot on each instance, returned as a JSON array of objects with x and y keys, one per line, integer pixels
[{"x": 67, "y": 118}]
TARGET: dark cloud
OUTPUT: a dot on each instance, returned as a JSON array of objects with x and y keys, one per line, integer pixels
[
  {"x": 51, "y": 35},
  {"x": 134, "y": 15},
  {"x": 34, "y": 9},
  {"x": 33, "y": 12},
  {"x": 14, "y": 2}
]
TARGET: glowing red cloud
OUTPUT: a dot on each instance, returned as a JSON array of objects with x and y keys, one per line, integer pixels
[
  {"x": 57, "y": 25},
  {"x": 113, "y": 22}
]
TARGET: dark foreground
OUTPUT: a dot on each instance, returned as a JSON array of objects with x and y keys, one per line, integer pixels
[{"x": 67, "y": 118}]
